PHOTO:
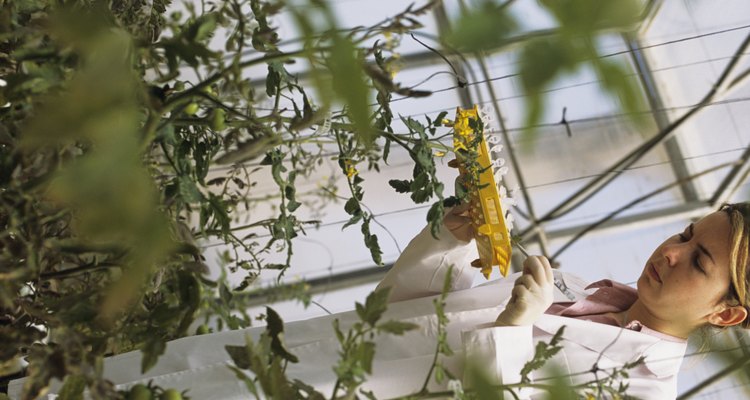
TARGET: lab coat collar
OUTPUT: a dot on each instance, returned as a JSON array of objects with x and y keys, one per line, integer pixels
[{"x": 662, "y": 357}]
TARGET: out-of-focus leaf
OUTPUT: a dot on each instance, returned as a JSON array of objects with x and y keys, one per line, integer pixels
[
  {"x": 346, "y": 68},
  {"x": 202, "y": 28},
  {"x": 365, "y": 354},
  {"x": 275, "y": 329},
  {"x": 541, "y": 60},
  {"x": 484, "y": 389},
  {"x": 616, "y": 79},
  {"x": 587, "y": 16},
  {"x": 484, "y": 27},
  {"x": 72, "y": 388},
  {"x": 375, "y": 305},
  {"x": 151, "y": 352},
  {"x": 397, "y": 327},
  {"x": 239, "y": 355},
  {"x": 559, "y": 386}
]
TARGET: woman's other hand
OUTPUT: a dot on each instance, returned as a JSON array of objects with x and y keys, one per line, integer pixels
[{"x": 531, "y": 295}]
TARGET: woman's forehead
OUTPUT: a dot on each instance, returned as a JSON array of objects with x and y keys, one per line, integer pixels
[
  {"x": 717, "y": 222},
  {"x": 714, "y": 232}
]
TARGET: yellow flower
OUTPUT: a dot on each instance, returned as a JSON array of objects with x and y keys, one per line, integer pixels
[
  {"x": 351, "y": 170},
  {"x": 446, "y": 122},
  {"x": 439, "y": 153}
]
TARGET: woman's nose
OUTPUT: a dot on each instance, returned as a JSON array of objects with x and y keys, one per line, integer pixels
[{"x": 672, "y": 253}]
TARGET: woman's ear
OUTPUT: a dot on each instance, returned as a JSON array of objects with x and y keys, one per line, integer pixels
[{"x": 729, "y": 316}]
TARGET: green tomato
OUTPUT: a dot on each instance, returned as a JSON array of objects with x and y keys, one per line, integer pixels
[
  {"x": 218, "y": 121},
  {"x": 140, "y": 392},
  {"x": 171, "y": 394},
  {"x": 207, "y": 90},
  {"x": 179, "y": 86},
  {"x": 202, "y": 330},
  {"x": 191, "y": 109}
]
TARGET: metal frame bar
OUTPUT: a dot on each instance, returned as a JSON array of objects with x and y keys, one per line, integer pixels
[
  {"x": 376, "y": 273},
  {"x": 646, "y": 77}
]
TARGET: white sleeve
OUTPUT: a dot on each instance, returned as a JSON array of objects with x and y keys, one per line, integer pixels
[
  {"x": 420, "y": 269},
  {"x": 500, "y": 352}
]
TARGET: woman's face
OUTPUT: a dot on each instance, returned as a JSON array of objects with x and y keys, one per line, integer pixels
[{"x": 686, "y": 277}]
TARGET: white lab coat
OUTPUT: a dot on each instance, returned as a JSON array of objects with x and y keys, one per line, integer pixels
[{"x": 199, "y": 363}]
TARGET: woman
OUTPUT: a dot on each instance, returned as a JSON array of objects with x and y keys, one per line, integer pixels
[{"x": 694, "y": 279}]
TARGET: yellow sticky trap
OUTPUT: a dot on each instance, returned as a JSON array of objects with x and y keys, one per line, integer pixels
[{"x": 491, "y": 232}]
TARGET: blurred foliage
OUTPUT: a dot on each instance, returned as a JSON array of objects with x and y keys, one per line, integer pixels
[
  {"x": 132, "y": 135},
  {"x": 546, "y": 55}
]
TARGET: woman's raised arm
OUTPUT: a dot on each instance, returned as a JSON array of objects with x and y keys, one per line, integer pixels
[{"x": 421, "y": 268}]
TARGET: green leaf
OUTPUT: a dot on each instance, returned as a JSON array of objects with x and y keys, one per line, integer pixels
[
  {"x": 617, "y": 81},
  {"x": 273, "y": 80},
  {"x": 202, "y": 28},
  {"x": 73, "y": 388},
  {"x": 439, "y": 118},
  {"x": 275, "y": 329},
  {"x": 151, "y": 351},
  {"x": 486, "y": 27},
  {"x": 337, "y": 330},
  {"x": 386, "y": 150},
  {"x": 371, "y": 241},
  {"x": 189, "y": 190},
  {"x": 353, "y": 220},
  {"x": 225, "y": 294},
  {"x": 483, "y": 387},
  {"x": 352, "y": 207},
  {"x": 347, "y": 68},
  {"x": 249, "y": 382},
  {"x": 375, "y": 305},
  {"x": 543, "y": 352},
  {"x": 585, "y": 17},
  {"x": 368, "y": 394},
  {"x": 239, "y": 355},
  {"x": 540, "y": 62},
  {"x": 414, "y": 125},
  {"x": 435, "y": 218},
  {"x": 365, "y": 353},
  {"x": 397, "y": 327},
  {"x": 401, "y": 186}
]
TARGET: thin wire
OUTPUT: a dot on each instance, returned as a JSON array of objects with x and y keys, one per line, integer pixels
[
  {"x": 669, "y": 42},
  {"x": 600, "y": 118},
  {"x": 550, "y": 124},
  {"x": 600, "y": 57},
  {"x": 415, "y": 208},
  {"x": 551, "y": 90}
]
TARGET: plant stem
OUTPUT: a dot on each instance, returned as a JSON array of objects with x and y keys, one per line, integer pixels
[{"x": 77, "y": 270}]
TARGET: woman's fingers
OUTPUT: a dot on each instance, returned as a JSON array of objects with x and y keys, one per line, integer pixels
[
  {"x": 462, "y": 210},
  {"x": 538, "y": 267},
  {"x": 527, "y": 281}
]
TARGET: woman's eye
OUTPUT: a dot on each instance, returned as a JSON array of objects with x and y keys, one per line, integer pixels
[
  {"x": 697, "y": 265},
  {"x": 683, "y": 238}
]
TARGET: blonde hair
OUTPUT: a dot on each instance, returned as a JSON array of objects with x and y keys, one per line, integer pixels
[{"x": 739, "y": 270}]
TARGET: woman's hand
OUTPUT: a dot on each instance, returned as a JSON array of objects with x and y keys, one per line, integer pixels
[
  {"x": 531, "y": 295},
  {"x": 458, "y": 222}
]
